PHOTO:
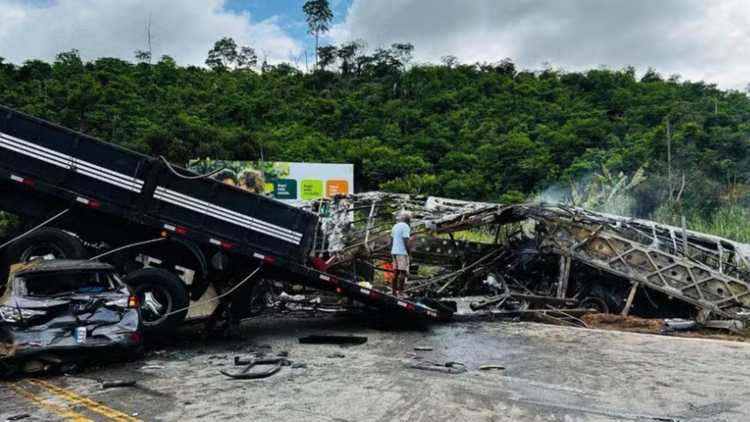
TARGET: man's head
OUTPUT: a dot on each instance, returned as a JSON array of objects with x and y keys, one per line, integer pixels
[{"x": 406, "y": 218}]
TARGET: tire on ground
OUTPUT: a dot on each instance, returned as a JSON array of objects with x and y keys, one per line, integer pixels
[
  {"x": 62, "y": 244},
  {"x": 147, "y": 279}
]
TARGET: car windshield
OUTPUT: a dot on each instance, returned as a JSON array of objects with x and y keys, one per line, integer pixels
[{"x": 66, "y": 282}]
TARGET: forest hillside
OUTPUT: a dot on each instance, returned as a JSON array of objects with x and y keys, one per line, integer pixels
[{"x": 650, "y": 145}]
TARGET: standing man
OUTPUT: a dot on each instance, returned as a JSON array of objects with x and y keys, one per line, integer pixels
[{"x": 401, "y": 252}]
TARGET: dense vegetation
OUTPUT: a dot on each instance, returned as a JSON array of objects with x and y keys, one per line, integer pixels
[{"x": 483, "y": 131}]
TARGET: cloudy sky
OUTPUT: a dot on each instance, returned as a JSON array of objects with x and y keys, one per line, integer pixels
[{"x": 698, "y": 39}]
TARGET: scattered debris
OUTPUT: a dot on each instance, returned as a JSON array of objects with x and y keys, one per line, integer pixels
[
  {"x": 18, "y": 417},
  {"x": 447, "y": 368},
  {"x": 245, "y": 373},
  {"x": 730, "y": 325},
  {"x": 283, "y": 354},
  {"x": 336, "y": 355},
  {"x": 117, "y": 384},
  {"x": 333, "y": 340},
  {"x": 624, "y": 323},
  {"x": 147, "y": 367},
  {"x": 491, "y": 367},
  {"x": 680, "y": 324},
  {"x": 68, "y": 367},
  {"x": 299, "y": 366},
  {"x": 542, "y": 257},
  {"x": 423, "y": 348}
]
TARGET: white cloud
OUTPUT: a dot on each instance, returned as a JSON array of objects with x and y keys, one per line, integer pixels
[
  {"x": 701, "y": 40},
  {"x": 185, "y": 30}
]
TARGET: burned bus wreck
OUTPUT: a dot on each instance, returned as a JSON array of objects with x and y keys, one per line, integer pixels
[{"x": 541, "y": 256}]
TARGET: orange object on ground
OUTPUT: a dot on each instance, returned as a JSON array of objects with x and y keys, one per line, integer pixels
[{"x": 388, "y": 275}]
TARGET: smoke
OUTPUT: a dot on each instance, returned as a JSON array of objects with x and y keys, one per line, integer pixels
[{"x": 554, "y": 194}]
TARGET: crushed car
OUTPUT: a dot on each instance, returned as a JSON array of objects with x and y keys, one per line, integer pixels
[{"x": 60, "y": 311}]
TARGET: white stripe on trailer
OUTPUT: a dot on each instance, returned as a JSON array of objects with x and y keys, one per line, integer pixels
[
  {"x": 164, "y": 195},
  {"x": 67, "y": 162},
  {"x": 403, "y": 304},
  {"x": 202, "y": 207},
  {"x": 70, "y": 163},
  {"x": 15, "y": 178},
  {"x": 38, "y": 154},
  {"x": 170, "y": 228},
  {"x": 259, "y": 256},
  {"x": 31, "y": 147},
  {"x": 364, "y": 291},
  {"x": 325, "y": 277},
  {"x": 230, "y": 220},
  {"x": 238, "y": 216},
  {"x": 107, "y": 172},
  {"x": 122, "y": 181},
  {"x": 216, "y": 242}
]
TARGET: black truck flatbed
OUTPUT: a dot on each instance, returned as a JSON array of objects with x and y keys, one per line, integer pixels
[{"x": 45, "y": 168}]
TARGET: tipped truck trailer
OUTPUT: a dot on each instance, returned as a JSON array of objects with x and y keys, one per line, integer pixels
[{"x": 109, "y": 199}]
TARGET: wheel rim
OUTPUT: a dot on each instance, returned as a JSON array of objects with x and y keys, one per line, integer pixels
[
  {"x": 156, "y": 303},
  {"x": 595, "y": 303},
  {"x": 42, "y": 249}
]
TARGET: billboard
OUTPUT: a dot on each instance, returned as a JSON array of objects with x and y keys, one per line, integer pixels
[{"x": 282, "y": 180}]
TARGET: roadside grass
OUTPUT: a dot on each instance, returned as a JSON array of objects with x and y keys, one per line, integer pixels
[{"x": 728, "y": 222}]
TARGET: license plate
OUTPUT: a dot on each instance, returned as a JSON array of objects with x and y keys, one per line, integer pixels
[{"x": 80, "y": 334}]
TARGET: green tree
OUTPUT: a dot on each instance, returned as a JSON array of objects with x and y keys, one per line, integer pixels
[
  {"x": 319, "y": 17},
  {"x": 225, "y": 53},
  {"x": 327, "y": 56},
  {"x": 222, "y": 55},
  {"x": 347, "y": 54}
]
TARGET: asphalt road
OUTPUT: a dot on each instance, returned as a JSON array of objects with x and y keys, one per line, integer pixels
[{"x": 552, "y": 374}]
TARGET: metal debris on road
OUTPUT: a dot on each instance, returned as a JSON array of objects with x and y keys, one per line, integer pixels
[
  {"x": 447, "y": 368},
  {"x": 18, "y": 417},
  {"x": 245, "y": 373},
  {"x": 333, "y": 340},
  {"x": 336, "y": 355},
  {"x": 423, "y": 348},
  {"x": 117, "y": 384},
  {"x": 491, "y": 367}
]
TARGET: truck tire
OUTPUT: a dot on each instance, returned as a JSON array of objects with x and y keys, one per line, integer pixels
[
  {"x": 160, "y": 293},
  {"x": 43, "y": 241}
]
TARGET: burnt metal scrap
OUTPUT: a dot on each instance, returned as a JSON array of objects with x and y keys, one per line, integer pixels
[{"x": 541, "y": 256}]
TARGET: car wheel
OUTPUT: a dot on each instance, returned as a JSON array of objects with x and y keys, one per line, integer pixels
[{"x": 161, "y": 294}]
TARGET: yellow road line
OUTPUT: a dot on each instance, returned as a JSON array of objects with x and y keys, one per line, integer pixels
[
  {"x": 67, "y": 413},
  {"x": 85, "y": 402}
]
